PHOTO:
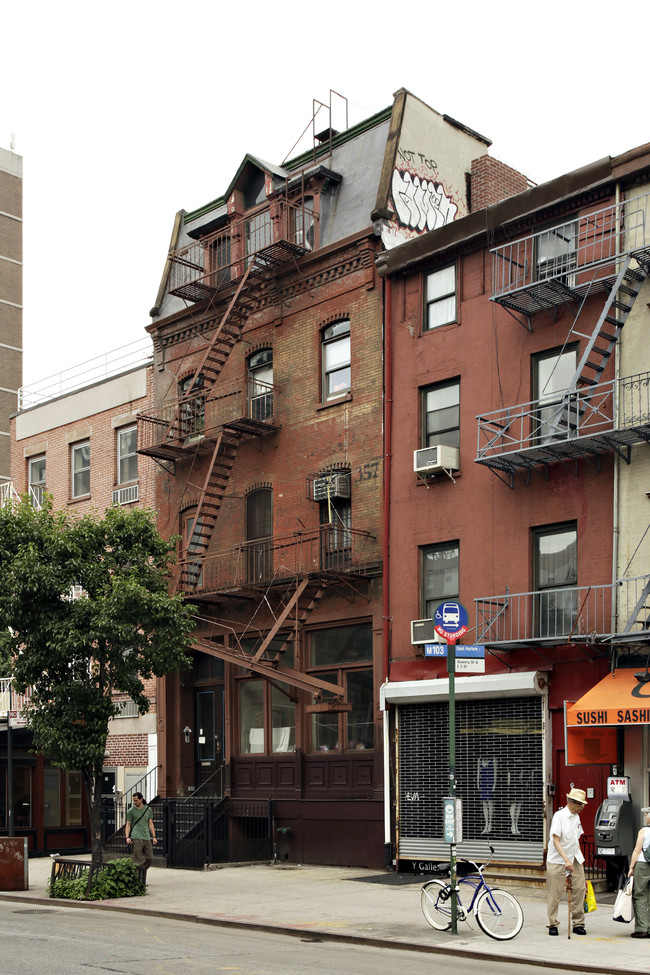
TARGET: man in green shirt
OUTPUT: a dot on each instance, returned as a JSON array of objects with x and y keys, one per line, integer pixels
[{"x": 140, "y": 831}]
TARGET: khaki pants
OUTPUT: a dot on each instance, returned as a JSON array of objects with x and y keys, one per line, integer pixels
[
  {"x": 555, "y": 889},
  {"x": 641, "y": 896},
  {"x": 143, "y": 853}
]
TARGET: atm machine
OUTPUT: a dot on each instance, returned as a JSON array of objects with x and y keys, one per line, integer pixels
[{"x": 614, "y": 831}]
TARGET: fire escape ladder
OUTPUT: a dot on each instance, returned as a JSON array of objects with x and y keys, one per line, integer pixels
[
  {"x": 291, "y": 603},
  {"x": 303, "y": 614},
  {"x": 212, "y": 493},
  {"x": 622, "y": 294},
  {"x": 619, "y": 304},
  {"x": 642, "y": 609}
]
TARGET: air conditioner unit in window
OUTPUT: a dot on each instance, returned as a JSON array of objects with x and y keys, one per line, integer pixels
[
  {"x": 334, "y": 485},
  {"x": 422, "y": 631},
  {"x": 438, "y": 457}
]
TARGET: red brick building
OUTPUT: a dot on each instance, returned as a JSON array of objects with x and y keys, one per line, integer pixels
[
  {"x": 75, "y": 437},
  {"x": 268, "y": 331},
  {"x": 511, "y": 428}
]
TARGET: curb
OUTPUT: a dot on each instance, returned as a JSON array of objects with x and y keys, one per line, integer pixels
[{"x": 317, "y": 935}]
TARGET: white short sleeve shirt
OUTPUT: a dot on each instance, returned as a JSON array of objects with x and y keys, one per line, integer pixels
[{"x": 567, "y": 826}]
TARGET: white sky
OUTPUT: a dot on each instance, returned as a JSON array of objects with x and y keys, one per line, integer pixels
[{"x": 126, "y": 113}]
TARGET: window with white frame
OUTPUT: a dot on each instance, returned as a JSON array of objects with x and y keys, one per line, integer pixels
[
  {"x": 440, "y": 297},
  {"x": 337, "y": 375},
  {"x": 36, "y": 478},
  {"x": 439, "y": 575},
  {"x": 80, "y": 466},
  {"x": 440, "y": 408},
  {"x": 127, "y": 458}
]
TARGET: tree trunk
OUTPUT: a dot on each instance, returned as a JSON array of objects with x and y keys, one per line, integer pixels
[{"x": 93, "y": 783}]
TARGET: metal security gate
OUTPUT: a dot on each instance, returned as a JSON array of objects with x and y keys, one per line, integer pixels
[
  {"x": 499, "y": 777},
  {"x": 198, "y": 831}
]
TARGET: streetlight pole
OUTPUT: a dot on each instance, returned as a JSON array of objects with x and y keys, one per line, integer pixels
[{"x": 451, "y": 669}]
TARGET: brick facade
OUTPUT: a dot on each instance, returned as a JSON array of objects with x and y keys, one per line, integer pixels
[{"x": 493, "y": 181}]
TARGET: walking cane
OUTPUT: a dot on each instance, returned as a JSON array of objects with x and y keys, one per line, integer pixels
[{"x": 568, "y": 889}]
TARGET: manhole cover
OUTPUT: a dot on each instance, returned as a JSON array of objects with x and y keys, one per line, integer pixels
[{"x": 45, "y": 910}]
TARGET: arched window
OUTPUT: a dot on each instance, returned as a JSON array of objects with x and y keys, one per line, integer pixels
[
  {"x": 259, "y": 529},
  {"x": 337, "y": 375},
  {"x": 260, "y": 385}
]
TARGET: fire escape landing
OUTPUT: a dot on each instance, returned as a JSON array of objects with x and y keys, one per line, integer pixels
[{"x": 606, "y": 254}]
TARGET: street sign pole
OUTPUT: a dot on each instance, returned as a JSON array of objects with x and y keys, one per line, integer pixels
[{"x": 451, "y": 670}]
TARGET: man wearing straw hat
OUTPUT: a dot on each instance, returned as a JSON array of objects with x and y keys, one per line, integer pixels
[{"x": 564, "y": 857}]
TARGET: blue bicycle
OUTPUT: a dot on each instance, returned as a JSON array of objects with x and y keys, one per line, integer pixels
[{"x": 498, "y": 912}]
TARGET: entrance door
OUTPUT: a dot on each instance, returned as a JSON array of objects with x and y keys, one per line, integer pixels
[{"x": 209, "y": 710}]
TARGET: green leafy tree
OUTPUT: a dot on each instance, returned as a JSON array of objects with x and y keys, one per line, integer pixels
[{"x": 84, "y": 612}]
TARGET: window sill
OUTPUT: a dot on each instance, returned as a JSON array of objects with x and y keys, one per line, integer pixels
[
  {"x": 82, "y": 497},
  {"x": 343, "y": 398},
  {"x": 437, "y": 328}
]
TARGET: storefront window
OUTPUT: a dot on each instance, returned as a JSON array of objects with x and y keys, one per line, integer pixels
[
  {"x": 251, "y": 716},
  {"x": 22, "y": 797},
  {"x": 283, "y": 717},
  {"x": 73, "y": 798},
  {"x": 339, "y": 651}
]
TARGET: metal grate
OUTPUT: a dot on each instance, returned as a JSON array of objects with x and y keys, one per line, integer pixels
[{"x": 499, "y": 777}]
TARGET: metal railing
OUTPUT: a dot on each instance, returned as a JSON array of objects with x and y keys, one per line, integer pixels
[
  {"x": 622, "y": 404},
  {"x": 221, "y": 258},
  {"x": 579, "y": 253},
  {"x": 180, "y": 421},
  {"x": 572, "y": 613},
  {"x": 87, "y": 373},
  {"x": 328, "y": 548},
  {"x": 10, "y": 699},
  {"x": 9, "y": 494}
]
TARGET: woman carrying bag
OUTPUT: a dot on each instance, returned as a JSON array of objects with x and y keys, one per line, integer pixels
[{"x": 640, "y": 870}]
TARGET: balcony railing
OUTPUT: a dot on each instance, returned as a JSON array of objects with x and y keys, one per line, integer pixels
[
  {"x": 592, "y": 419},
  {"x": 570, "y": 259},
  {"x": 9, "y": 494},
  {"x": 205, "y": 266},
  {"x": 182, "y": 424},
  {"x": 571, "y": 614},
  {"x": 327, "y": 549}
]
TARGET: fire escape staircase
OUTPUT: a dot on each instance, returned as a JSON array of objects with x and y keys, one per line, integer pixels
[
  {"x": 621, "y": 296},
  {"x": 265, "y": 659}
]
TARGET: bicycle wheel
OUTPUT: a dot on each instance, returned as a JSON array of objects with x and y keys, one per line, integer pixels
[
  {"x": 435, "y": 901},
  {"x": 499, "y": 914}
]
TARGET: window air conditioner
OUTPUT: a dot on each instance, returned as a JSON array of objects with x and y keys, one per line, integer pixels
[
  {"x": 339, "y": 486},
  {"x": 439, "y": 457},
  {"x": 126, "y": 495},
  {"x": 422, "y": 631}
]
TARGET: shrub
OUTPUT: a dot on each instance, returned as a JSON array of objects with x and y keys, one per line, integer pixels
[{"x": 115, "y": 879}]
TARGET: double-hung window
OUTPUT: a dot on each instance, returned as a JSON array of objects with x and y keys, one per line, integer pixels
[
  {"x": 439, "y": 575},
  {"x": 440, "y": 410},
  {"x": 36, "y": 478},
  {"x": 440, "y": 297},
  {"x": 127, "y": 458},
  {"x": 556, "y": 578},
  {"x": 80, "y": 464},
  {"x": 337, "y": 376}
]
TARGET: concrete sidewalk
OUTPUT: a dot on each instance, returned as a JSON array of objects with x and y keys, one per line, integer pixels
[{"x": 358, "y": 905}]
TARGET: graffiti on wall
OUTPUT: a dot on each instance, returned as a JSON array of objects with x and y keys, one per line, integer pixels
[{"x": 420, "y": 203}]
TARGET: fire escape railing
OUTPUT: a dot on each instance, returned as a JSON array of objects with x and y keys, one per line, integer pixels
[
  {"x": 220, "y": 259},
  {"x": 10, "y": 699},
  {"x": 582, "y": 614},
  {"x": 326, "y": 549},
  {"x": 568, "y": 259},
  {"x": 616, "y": 405},
  {"x": 183, "y": 422}
]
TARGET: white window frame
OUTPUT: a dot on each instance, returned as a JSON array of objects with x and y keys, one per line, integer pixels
[
  {"x": 125, "y": 457},
  {"x": 336, "y": 337},
  {"x": 77, "y": 450},
  {"x": 440, "y": 300}
]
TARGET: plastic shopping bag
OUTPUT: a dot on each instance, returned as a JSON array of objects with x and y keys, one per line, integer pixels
[
  {"x": 590, "y": 898},
  {"x": 623, "y": 908}
]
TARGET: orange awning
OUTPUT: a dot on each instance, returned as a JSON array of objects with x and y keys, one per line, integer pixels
[{"x": 618, "y": 699}]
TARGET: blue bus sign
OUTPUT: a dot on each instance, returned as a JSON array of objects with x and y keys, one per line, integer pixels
[{"x": 451, "y": 620}]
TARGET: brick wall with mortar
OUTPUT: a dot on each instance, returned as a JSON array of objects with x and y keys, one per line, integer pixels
[
  {"x": 493, "y": 180},
  {"x": 314, "y": 436}
]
